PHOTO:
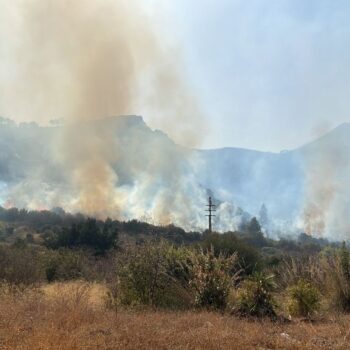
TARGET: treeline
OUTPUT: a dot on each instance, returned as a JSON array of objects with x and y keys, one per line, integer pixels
[
  {"x": 88, "y": 233},
  {"x": 57, "y": 220},
  {"x": 38, "y": 218},
  {"x": 54, "y": 221}
]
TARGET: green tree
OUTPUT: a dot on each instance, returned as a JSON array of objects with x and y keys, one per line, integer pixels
[
  {"x": 255, "y": 236},
  {"x": 86, "y": 234}
]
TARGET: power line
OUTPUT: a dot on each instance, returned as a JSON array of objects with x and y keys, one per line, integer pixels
[{"x": 210, "y": 210}]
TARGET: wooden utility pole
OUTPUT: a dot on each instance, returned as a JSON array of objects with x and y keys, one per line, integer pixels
[{"x": 210, "y": 210}]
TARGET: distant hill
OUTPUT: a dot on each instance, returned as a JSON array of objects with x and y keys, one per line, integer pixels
[
  {"x": 307, "y": 187},
  {"x": 287, "y": 183}
]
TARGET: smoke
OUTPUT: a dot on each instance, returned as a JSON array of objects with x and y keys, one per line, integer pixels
[
  {"x": 326, "y": 203},
  {"x": 78, "y": 60},
  {"x": 86, "y": 60},
  {"x": 321, "y": 188}
]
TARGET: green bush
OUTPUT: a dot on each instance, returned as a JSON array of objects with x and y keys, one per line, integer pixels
[
  {"x": 229, "y": 243},
  {"x": 212, "y": 279},
  {"x": 64, "y": 264},
  {"x": 20, "y": 264},
  {"x": 255, "y": 296},
  {"x": 154, "y": 274},
  {"x": 304, "y": 299}
]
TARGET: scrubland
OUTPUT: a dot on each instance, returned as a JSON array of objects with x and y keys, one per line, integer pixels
[{"x": 69, "y": 282}]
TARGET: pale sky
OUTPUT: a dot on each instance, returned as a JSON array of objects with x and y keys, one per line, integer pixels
[{"x": 269, "y": 74}]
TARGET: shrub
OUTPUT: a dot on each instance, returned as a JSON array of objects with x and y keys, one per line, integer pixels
[
  {"x": 308, "y": 268},
  {"x": 211, "y": 279},
  {"x": 328, "y": 271},
  {"x": 64, "y": 264},
  {"x": 304, "y": 299},
  {"x": 228, "y": 243},
  {"x": 338, "y": 283},
  {"x": 255, "y": 296},
  {"x": 154, "y": 274},
  {"x": 20, "y": 264}
]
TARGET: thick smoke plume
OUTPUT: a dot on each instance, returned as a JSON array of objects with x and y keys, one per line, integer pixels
[{"x": 86, "y": 60}]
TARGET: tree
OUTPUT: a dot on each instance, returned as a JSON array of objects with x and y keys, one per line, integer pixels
[
  {"x": 254, "y": 235},
  {"x": 86, "y": 234}
]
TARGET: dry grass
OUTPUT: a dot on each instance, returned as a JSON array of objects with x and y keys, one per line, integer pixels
[
  {"x": 72, "y": 316},
  {"x": 93, "y": 294}
]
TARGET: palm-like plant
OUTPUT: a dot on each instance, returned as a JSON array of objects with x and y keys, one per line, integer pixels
[{"x": 255, "y": 296}]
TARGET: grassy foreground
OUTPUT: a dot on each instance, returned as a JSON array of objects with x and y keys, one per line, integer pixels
[{"x": 73, "y": 316}]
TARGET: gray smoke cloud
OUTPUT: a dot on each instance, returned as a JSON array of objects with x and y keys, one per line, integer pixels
[
  {"x": 156, "y": 181},
  {"x": 83, "y": 61}
]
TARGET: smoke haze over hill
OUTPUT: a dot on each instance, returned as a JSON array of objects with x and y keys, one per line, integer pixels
[
  {"x": 70, "y": 62},
  {"x": 303, "y": 189}
]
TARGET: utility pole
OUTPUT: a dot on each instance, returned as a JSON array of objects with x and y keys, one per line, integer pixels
[{"x": 210, "y": 210}]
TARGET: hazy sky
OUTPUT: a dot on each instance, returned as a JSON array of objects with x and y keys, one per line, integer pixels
[{"x": 270, "y": 74}]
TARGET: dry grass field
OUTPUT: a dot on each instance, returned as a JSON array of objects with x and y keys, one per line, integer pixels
[{"x": 73, "y": 316}]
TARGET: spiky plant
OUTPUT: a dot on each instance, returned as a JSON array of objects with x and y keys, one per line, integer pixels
[
  {"x": 304, "y": 299},
  {"x": 255, "y": 296},
  {"x": 212, "y": 278}
]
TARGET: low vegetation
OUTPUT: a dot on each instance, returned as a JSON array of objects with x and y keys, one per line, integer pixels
[
  {"x": 73, "y": 315},
  {"x": 212, "y": 278},
  {"x": 124, "y": 285},
  {"x": 304, "y": 299},
  {"x": 255, "y": 296}
]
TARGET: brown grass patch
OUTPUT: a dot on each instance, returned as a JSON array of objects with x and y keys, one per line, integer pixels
[
  {"x": 72, "y": 316},
  {"x": 93, "y": 294}
]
